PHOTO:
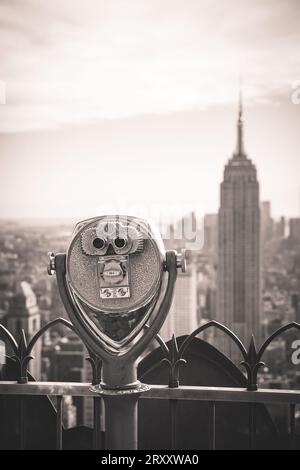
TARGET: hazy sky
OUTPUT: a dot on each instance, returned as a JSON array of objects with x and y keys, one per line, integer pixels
[{"x": 134, "y": 103}]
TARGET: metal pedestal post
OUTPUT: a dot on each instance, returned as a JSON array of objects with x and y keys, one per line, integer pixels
[
  {"x": 121, "y": 422},
  {"x": 121, "y": 411}
]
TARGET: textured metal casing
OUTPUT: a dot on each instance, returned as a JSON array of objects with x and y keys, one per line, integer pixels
[{"x": 146, "y": 268}]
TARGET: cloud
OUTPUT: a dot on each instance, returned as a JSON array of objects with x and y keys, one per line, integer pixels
[{"x": 69, "y": 61}]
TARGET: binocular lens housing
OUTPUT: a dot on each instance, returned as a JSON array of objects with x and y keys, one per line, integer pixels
[
  {"x": 99, "y": 243},
  {"x": 120, "y": 242},
  {"x": 115, "y": 263}
]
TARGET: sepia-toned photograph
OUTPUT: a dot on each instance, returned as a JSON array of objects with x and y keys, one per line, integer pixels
[{"x": 149, "y": 227}]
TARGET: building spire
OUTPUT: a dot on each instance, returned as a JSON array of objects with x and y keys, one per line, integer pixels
[{"x": 240, "y": 140}]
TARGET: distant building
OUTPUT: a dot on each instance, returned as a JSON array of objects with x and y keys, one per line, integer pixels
[
  {"x": 67, "y": 361},
  {"x": 279, "y": 228},
  {"x": 211, "y": 233},
  {"x": 24, "y": 314},
  {"x": 294, "y": 234},
  {"x": 275, "y": 356},
  {"x": 266, "y": 222},
  {"x": 239, "y": 246},
  {"x": 211, "y": 303},
  {"x": 296, "y": 306},
  {"x": 182, "y": 318},
  {"x": 69, "y": 364}
]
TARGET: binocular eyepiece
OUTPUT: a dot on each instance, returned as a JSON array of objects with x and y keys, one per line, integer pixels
[{"x": 112, "y": 237}]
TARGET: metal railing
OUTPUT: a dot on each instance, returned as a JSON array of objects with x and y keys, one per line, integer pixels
[
  {"x": 212, "y": 395},
  {"x": 173, "y": 393}
]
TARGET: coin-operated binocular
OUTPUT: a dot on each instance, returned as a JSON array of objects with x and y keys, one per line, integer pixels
[{"x": 116, "y": 282}]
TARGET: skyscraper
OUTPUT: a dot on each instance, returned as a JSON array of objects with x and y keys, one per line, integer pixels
[{"x": 239, "y": 246}]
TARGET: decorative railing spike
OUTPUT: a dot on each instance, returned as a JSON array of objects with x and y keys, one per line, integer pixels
[
  {"x": 23, "y": 357},
  {"x": 173, "y": 359},
  {"x": 22, "y": 351},
  {"x": 252, "y": 365}
]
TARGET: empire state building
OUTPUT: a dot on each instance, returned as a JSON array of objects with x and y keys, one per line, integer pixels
[{"x": 239, "y": 246}]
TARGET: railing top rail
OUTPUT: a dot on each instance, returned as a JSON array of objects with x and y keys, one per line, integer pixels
[{"x": 222, "y": 394}]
